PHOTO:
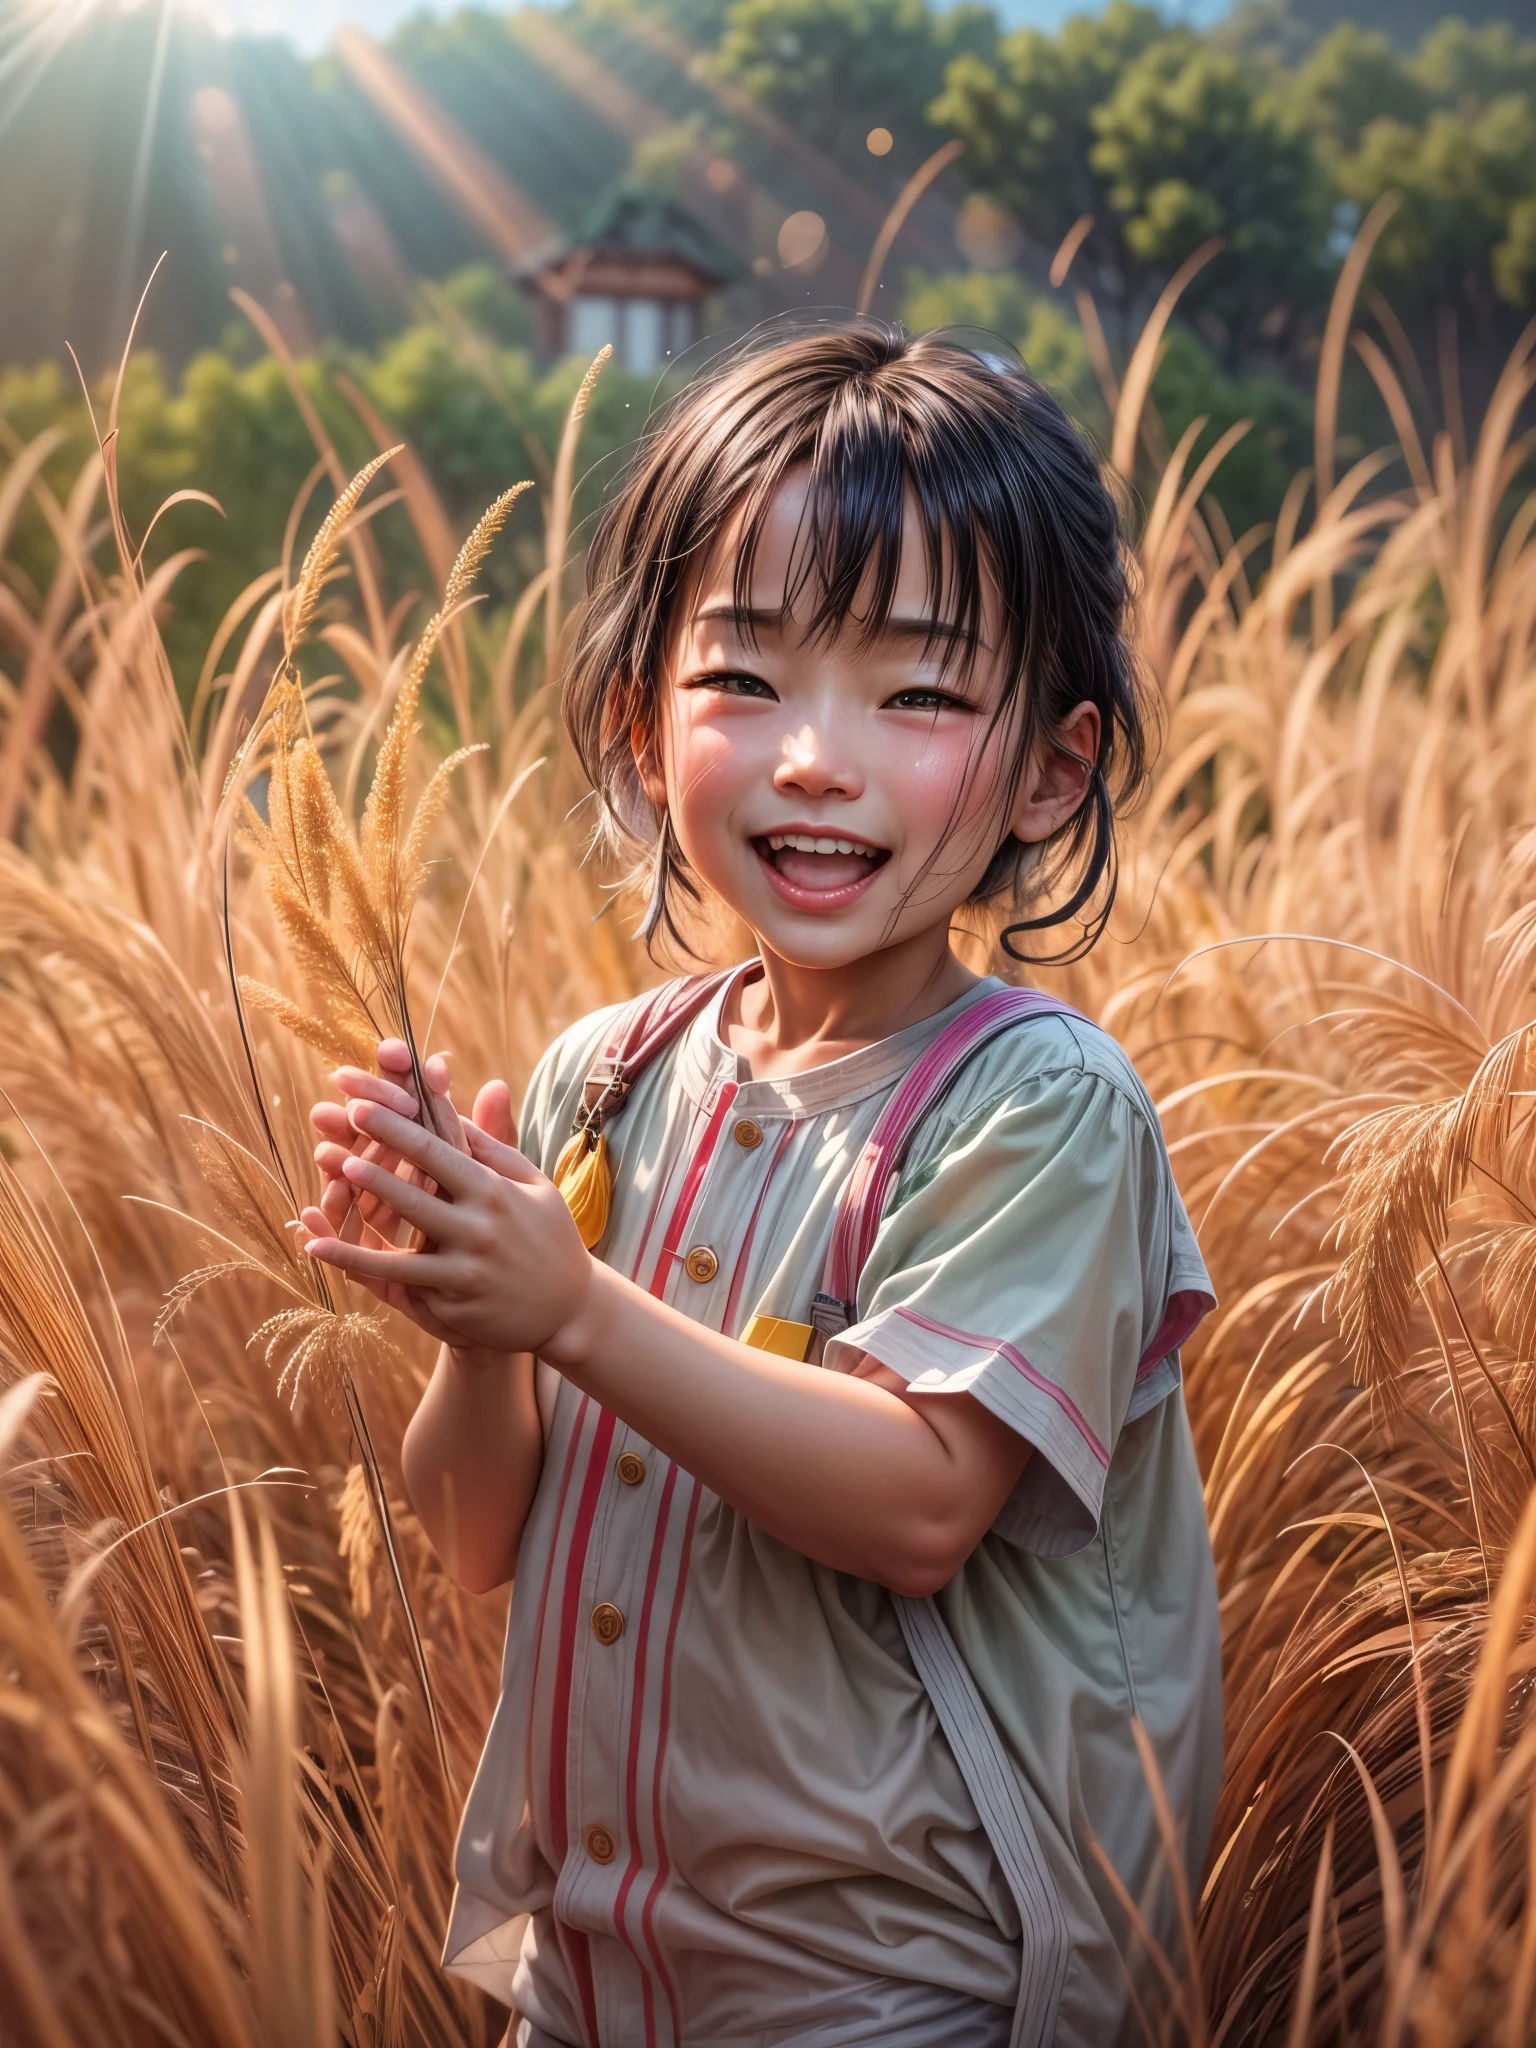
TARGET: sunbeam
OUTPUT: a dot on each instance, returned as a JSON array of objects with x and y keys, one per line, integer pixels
[
  {"x": 29, "y": 40},
  {"x": 129, "y": 277}
]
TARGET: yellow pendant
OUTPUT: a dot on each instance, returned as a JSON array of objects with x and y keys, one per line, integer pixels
[{"x": 584, "y": 1175}]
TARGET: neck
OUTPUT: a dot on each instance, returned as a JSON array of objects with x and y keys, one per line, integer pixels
[{"x": 795, "y": 1017}]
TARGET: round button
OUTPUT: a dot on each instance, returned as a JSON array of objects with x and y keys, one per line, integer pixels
[
  {"x": 607, "y": 1623},
  {"x": 601, "y": 1845},
  {"x": 748, "y": 1135},
  {"x": 630, "y": 1468},
  {"x": 701, "y": 1263}
]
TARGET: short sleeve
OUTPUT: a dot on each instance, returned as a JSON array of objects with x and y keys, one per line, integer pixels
[{"x": 1042, "y": 1262}]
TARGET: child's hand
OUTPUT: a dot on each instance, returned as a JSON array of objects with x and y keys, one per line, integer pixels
[
  {"x": 357, "y": 1215},
  {"x": 502, "y": 1264}
]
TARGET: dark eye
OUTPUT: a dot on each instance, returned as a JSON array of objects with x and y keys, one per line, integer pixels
[
  {"x": 731, "y": 683},
  {"x": 927, "y": 700}
]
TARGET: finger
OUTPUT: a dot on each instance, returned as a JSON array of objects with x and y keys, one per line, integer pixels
[
  {"x": 352, "y": 1226},
  {"x": 444, "y": 1162},
  {"x": 437, "y": 1218},
  {"x": 358, "y": 1086},
  {"x": 393, "y": 1056},
  {"x": 442, "y": 1117},
  {"x": 503, "y": 1159},
  {"x": 419, "y": 1269},
  {"x": 329, "y": 1156},
  {"x": 493, "y": 1113},
  {"x": 330, "y": 1120},
  {"x": 352, "y": 1212}
]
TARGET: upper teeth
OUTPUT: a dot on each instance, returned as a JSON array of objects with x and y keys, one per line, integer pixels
[{"x": 802, "y": 842}]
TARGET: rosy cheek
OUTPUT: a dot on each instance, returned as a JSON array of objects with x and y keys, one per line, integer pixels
[
  {"x": 709, "y": 766},
  {"x": 940, "y": 783}
]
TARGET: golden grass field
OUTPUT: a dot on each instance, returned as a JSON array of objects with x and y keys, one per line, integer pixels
[{"x": 226, "y": 1821}]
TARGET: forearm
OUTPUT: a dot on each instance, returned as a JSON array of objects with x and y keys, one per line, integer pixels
[
  {"x": 471, "y": 1460},
  {"x": 846, "y": 1471},
  {"x": 850, "y": 1472}
]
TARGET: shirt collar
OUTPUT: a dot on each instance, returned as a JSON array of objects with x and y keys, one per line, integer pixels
[{"x": 705, "y": 1060}]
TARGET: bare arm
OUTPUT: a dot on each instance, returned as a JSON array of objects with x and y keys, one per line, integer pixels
[
  {"x": 848, "y": 1468},
  {"x": 471, "y": 1460},
  {"x": 472, "y": 1452},
  {"x": 852, "y": 1470}
]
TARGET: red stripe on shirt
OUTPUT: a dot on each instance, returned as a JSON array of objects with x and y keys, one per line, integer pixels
[
  {"x": 549, "y": 1569},
  {"x": 1022, "y": 1366},
  {"x": 573, "y": 1942},
  {"x": 733, "y": 1300},
  {"x": 663, "y": 1732},
  {"x": 632, "y": 1779},
  {"x": 576, "y": 1944},
  {"x": 698, "y": 1166},
  {"x": 682, "y": 1209}
]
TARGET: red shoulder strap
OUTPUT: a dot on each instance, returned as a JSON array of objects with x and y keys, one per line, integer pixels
[
  {"x": 641, "y": 1030},
  {"x": 875, "y": 1171}
]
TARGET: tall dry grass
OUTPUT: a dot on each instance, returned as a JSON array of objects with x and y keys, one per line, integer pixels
[{"x": 224, "y": 1816}]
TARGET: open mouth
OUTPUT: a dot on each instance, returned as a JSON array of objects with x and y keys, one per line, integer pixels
[{"x": 821, "y": 867}]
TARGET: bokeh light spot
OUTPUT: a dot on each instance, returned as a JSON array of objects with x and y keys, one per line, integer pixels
[
  {"x": 802, "y": 241},
  {"x": 987, "y": 234}
]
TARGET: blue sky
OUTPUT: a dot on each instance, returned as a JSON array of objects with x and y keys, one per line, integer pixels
[{"x": 310, "y": 23}]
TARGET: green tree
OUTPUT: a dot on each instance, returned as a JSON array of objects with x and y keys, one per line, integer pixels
[
  {"x": 1191, "y": 145},
  {"x": 1352, "y": 78},
  {"x": 1026, "y": 118},
  {"x": 1166, "y": 142},
  {"x": 835, "y": 69},
  {"x": 1452, "y": 132}
]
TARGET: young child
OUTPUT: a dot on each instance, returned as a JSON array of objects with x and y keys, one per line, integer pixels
[{"x": 846, "y": 1478}]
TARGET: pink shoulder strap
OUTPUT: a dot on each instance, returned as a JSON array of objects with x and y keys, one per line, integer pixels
[
  {"x": 641, "y": 1030},
  {"x": 875, "y": 1171}
]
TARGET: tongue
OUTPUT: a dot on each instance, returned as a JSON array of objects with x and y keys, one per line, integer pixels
[{"x": 820, "y": 870}]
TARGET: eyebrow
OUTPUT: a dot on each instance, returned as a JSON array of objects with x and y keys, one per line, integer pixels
[{"x": 752, "y": 620}]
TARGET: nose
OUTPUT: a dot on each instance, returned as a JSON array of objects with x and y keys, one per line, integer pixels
[{"x": 815, "y": 761}]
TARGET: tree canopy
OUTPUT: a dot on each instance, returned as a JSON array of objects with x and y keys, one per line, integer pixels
[{"x": 1168, "y": 138}]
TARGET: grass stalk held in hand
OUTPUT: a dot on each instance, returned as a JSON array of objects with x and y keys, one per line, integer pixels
[{"x": 343, "y": 899}]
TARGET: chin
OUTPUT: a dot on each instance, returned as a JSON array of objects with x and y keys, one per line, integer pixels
[{"x": 825, "y": 949}]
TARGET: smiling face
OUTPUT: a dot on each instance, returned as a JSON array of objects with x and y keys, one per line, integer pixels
[{"x": 842, "y": 795}]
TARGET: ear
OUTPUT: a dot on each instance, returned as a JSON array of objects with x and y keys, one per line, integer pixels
[
  {"x": 1057, "y": 775},
  {"x": 647, "y": 758}
]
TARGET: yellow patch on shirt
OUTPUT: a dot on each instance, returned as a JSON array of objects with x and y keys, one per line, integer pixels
[{"x": 773, "y": 1333}]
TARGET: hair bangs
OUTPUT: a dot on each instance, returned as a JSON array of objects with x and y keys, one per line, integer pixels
[{"x": 869, "y": 495}]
